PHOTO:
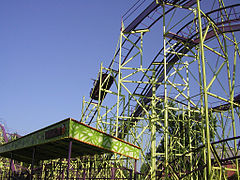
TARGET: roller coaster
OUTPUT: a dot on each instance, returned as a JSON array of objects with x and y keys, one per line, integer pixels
[{"x": 170, "y": 97}]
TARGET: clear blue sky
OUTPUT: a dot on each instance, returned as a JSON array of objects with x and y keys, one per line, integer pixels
[{"x": 49, "y": 51}]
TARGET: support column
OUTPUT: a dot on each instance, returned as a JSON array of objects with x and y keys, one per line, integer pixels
[
  {"x": 135, "y": 169},
  {"x": 33, "y": 159},
  {"x": 153, "y": 119},
  {"x": 60, "y": 170},
  {"x": 84, "y": 174},
  {"x": 113, "y": 170},
  {"x": 69, "y": 157},
  {"x": 205, "y": 92},
  {"x": 10, "y": 167},
  {"x": 165, "y": 65}
]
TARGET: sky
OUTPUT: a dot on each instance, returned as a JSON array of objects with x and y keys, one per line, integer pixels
[{"x": 49, "y": 52}]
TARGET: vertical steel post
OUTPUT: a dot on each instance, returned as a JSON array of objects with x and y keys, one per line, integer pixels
[
  {"x": 84, "y": 174},
  {"x": 100, "y": 93},
  {"x": 33, "y": 159},
  {"x": 153, "y": 118},
  {"x": 113, "y": 170},
  {"x": 119, "y": 78},
  {"x": 202, "y": 121},
  {"x": 90, "y": 168},
  {"x": 165, "y": 96},
  {"x": 232, "y": 90},
  {"x": 205, "y": 94},
  {"x": 60, "y": 169},
  {"x": 69, "y": 157},
  {"x": 135, "y": 169},
  {"x": 11, "y": 161}
]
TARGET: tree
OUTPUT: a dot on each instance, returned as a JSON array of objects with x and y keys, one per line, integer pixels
[{"x": 184, "y": 133}]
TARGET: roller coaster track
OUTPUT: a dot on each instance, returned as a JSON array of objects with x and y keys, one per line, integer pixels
[
  {"x": 184, "y": 44},
  {"x": 137, "y": 23},
  {"x": 191, "y": 42}
]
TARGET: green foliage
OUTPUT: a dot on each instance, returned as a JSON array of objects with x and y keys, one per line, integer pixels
[{"x": 185, "y": 130}]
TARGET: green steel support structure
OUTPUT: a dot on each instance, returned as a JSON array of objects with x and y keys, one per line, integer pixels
[
  {"x": 169, "y": 108},
  {"x": 172, "y": 89},
  {"x": 206, "y": 121}
]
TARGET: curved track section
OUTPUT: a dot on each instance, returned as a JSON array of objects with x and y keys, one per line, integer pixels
[
  {"x": 180, "y": 48},
  {"x": 145, "y": 20}
]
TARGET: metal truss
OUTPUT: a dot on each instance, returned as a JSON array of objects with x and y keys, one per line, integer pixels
[
  {"x": 172, "y": 88},
  {"x": 183, "y": 108}
]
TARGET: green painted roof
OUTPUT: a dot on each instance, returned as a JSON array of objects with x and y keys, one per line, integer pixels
[{"x": 52, "y": 142}]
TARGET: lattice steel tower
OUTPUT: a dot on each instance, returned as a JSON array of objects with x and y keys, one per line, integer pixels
[{"x": 172, "y": 88}]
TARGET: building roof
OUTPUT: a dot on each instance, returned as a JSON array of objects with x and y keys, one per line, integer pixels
[{"x": 52, "y": 142}]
